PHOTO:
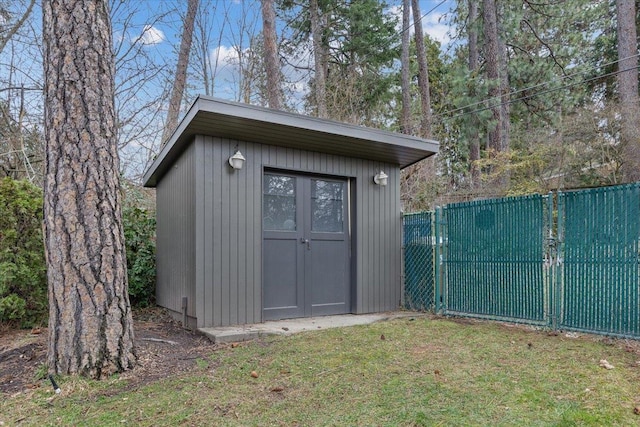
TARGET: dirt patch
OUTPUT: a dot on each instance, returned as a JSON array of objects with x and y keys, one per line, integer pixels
[{"x": 164, "y": 349}]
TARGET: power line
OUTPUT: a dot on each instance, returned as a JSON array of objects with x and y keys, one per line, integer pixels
[
  {"x": 422, "y": 17},
  {"x": 510, "y": 101},
  {"x": 538, "y": 85}
]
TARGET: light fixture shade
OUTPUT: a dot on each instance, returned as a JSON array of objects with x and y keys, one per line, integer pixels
[
  {"x": 237, "y": 160},
  {"x": 381, "y": 178}
]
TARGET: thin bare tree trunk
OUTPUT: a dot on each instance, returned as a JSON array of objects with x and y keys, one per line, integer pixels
[
  {"x": 405, "y": 120},
  {"x": 180, "y": 79},
  {"x": 423, "y": 72},
  {"x": 10, "y": 32},
  {"x": 320, "y": 59},
  {"x": 90, "y": 324},
  {"x": 271, "y": 62},
  {"x": 474, "y": 141},
  {"x": 628, "y": 89},
  {"x": 492, "y": 70}
]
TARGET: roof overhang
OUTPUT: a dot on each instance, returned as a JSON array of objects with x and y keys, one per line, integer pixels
[{"x": 243, "y": 122}]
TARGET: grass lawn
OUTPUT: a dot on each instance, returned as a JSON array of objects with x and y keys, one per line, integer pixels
[{"x": 426, "y": 371}]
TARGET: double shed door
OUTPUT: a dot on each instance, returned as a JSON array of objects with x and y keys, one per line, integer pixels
[{"x": 306, "y": 246}]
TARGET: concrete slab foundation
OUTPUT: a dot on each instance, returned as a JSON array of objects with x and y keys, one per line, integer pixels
[{"x": 291, "y": 326}]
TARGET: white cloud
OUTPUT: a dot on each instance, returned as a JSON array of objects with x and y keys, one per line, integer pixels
[
  {"x": 223, "y": 56},
  {"x": 151, "y": 35},
  {"x": 436, "y": 26}
]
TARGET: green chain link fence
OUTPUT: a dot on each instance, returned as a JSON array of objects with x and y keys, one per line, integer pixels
[
  {"x": 569, "y": 260},
  {"x": 494, "y": 259},
  {"x": 418, "y": 245},
  {"x": 599, "y": 234}
]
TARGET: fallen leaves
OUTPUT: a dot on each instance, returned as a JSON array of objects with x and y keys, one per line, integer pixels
[{"x": 606, "y": 365}]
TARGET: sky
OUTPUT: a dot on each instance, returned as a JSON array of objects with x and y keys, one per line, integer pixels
[{"x": 162, "y": 35}]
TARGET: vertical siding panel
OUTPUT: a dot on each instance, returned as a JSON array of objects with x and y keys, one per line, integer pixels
[
  {"x": 190, "y": 283},
  {"x": 251, "y": 238},
  {"x": 225, "y": 239},
  {"x": 217, "y": 222},
  {"x": 243, "y": 263},
  {"x": 281, "y": 156},
  {"x": 175, "y": 231},
  {"x": 237, "y": 227},
  {"x": 365, "y": 266},
  {"x": 204, "y": 231}
]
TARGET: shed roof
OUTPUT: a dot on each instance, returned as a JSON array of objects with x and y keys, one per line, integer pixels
[{"x": 226, "y": 119}]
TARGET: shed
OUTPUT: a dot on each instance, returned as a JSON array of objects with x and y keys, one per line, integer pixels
[{"x": 301, "y": 229}]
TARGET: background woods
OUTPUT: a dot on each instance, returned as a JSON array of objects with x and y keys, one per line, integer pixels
[{"x": 523, "y": 96}]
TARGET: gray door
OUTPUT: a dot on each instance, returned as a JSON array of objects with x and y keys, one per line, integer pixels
[{"x": 306, "y": 247}]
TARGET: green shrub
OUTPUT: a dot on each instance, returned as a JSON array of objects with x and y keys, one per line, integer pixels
[
  {"x": 140, "y": 241},
  {"x": 12, "y": 307},
  {"x": 23, "y": 281}
]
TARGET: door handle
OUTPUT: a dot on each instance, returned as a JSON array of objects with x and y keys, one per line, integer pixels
[{"x": 306, "y": 241}]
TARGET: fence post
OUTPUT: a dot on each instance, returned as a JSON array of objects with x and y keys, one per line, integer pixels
[
  {"x": 558, "y": 275},
  {"x": 402, "y": 264},
  {"x": 438, "y": 261},
  {"x": 552, "y": 254}
]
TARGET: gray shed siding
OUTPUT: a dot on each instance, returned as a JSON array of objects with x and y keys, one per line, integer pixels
[
  {"x": 175, "y": 232},
  {"x": 228, "y": 229}
]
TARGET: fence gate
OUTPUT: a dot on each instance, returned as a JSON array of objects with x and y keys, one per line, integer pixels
[
  {"x": 419, "y": 262},
  {"x": 492, "y": 256},
  {"x": 599, "y": 235}
]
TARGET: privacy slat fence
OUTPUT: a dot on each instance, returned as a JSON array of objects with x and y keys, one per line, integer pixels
[
  {"x": 493, "y": 259},
  {"x": 569, "y": 260},
  {"x": 599, "y": 235}
]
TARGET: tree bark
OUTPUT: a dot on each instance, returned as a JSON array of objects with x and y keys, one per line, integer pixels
[
  {"x": 628, "y": 89},
  {"x": 320, "y": 58},
  {"x": 271, "y": 62},
  {"x": 405, "y": 120},
  {"x": 90, "y": 324},
  {"x": 423, "y": 72},
  {"x": 474, "y": 141},
  {"x": 505, "y": 106},
  {"x": 180, "y": 79},
  {"x": 492, "y": 70}
]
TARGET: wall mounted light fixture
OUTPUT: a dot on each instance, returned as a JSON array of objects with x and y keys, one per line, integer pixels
[
  {"x": 237, "y": 160},
  {"x": 381, "y": 178}
]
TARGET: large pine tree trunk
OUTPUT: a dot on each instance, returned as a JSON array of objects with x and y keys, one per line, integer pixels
[
  {"x": 271, "y": 62},
  {"x": 320, "y": 58},
  {"x": 492, "y": 70},
  {"x": 405, "y": 120},
  {"x": 90, "y": 325},
  {"x": 474, "y": 140},
  {"x": 628, "y": 89},
  {"x": 423, "y": 72},
  {"x": 180, "y": 79}
]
